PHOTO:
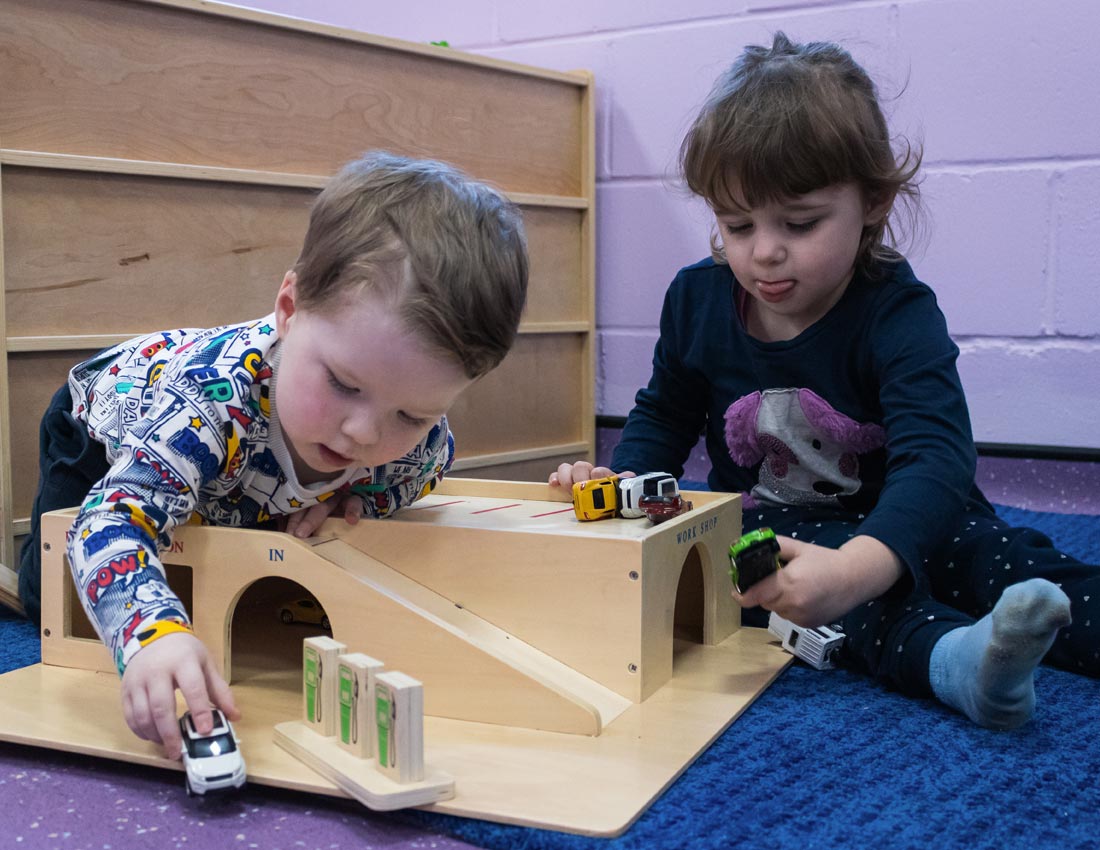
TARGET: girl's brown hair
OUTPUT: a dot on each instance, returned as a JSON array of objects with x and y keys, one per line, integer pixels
[
  {"x": 791, "y": 119},
  {"x": 449, "y": 253}
]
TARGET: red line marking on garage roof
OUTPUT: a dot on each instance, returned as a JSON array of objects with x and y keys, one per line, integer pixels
[
  {"x": 423, "y": 507},
  {"x": 497, "y": 508},
  {"x": 551, "y": 513}
]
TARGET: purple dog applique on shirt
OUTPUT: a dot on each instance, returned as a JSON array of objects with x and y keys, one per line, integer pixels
[{"x": 810, "y": 451}]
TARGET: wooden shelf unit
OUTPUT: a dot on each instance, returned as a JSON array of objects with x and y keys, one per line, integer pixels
[{"x": 157, "y": 162}]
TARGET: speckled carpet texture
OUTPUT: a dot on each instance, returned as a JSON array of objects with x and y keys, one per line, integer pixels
[{"x": 822, "y": 760}]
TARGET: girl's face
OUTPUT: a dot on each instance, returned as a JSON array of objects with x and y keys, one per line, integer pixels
[
  {"x": 795, "y": 257},
  {"x": 354, "y": 386}
]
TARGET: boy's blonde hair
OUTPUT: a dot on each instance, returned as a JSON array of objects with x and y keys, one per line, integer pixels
[
  {"x": 792, "y": 119},
  {"x": 449, "y": 251}
]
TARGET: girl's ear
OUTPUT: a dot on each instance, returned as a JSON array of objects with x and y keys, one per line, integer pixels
[{"x": 877, "y": 208}]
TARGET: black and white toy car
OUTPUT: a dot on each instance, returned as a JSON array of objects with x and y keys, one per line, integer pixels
[
  {"x": 653, "y": 484},
  {"x": 815, "y": 646},
  {"x": 212, "y": 761}
]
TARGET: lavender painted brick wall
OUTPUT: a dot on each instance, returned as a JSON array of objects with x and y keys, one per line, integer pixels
[
  {"x": 1004, "y": 80},
  {"x": 632, "y": 352},
  {"x": 654, "y": 232},
  {"x": 532, "y": 21},
  {"x": 999, "y": 93},
  {"x": 987, "y": 249},
  {"x": 1077, "y": 252},
  {"x": 660, "y": 77}
]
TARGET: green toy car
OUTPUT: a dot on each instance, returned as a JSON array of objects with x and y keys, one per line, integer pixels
[{"x": 754, "y": 557}]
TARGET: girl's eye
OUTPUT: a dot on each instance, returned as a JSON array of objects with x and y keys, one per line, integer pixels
[
  {"x": 340, "y": 387},
  {"x": 412, "y": 421},
  {"x": 738, "y": 228},
  {"x": 803, "y": 226}
]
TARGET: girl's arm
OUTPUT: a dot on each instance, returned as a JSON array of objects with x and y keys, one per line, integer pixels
[
  {"x": 818, "y": 585},
  {"x": 931, "y": 459}
]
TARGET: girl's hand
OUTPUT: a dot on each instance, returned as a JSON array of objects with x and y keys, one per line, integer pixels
[
  {"x": 819, "y": 585},
  {"x": 149, "y": 686},
  {"x": 305, "y": 522},
  {"x": 569, "y": 474}
]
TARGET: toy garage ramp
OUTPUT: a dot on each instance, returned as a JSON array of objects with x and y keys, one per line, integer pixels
[{"x": 472, "y": 670}]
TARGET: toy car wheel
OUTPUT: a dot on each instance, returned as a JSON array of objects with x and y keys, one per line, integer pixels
[
  {"x": 187, "y": 787},
  {"x": 325, "y": 623},
  {"x": 286, "y": 616}
]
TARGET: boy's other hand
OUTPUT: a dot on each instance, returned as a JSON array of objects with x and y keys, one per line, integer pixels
[
  {"x": 305, "y": 522},
  {"x": 149, "y": 688},
  {"x": 569, "y": 474}
]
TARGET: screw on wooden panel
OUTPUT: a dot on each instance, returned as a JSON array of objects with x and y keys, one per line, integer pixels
[
  {"x": 633, "y": 575},
  {"x": 633, "y": 668},
  {"x": 45, "y": 632},
  {"x": 46, "y": 546}
]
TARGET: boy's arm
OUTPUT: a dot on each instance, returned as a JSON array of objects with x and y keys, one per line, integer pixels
[
  {"x": 389, "y": 488},
  {"x": 113, "y": 546},
  {"x": 415, "y": 475},
  {"x": 114, "y": 542}
]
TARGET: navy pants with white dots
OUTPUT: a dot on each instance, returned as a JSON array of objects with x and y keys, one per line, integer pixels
[{"x": 892, "y": 637}]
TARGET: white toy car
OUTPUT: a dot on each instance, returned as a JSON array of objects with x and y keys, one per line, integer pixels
[
  {"x": 631, "y": 491},
  {"x": 814, "y": 646},
  {"x": 212, "y": 761}
]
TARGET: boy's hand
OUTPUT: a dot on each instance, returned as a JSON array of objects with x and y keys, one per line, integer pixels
[
  {"x": 819, "y": 585},
  {"x": 149, "y": 690},
  {"x": 305, "y": 522},
  {"x": 569, "y": 474}
]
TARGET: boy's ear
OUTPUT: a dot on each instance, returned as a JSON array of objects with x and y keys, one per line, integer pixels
[{"x": 285, "y": 302}]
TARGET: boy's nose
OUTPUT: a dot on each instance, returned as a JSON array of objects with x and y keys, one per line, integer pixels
[{"x": 363, "y": 427}]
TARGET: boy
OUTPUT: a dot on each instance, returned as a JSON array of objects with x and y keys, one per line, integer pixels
[{"x": 409, "y": 286}]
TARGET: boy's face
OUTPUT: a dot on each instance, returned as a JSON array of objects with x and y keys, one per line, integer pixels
[
  {"x": 354, "y": 387},
  {"x": 794, "y": 257}
]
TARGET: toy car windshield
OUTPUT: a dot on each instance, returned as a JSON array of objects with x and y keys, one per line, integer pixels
[{"x": 213, "y": 745}]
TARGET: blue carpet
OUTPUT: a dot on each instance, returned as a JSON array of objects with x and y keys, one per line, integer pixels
[{"x": 831, "y": 760}]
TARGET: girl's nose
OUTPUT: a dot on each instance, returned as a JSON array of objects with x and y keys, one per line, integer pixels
[{"x": 768, "y": 248}]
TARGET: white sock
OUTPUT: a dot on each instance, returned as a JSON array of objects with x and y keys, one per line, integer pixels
[{"x": 987, "y": 670}]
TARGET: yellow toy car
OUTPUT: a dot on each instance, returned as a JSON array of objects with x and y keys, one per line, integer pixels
[
  {"x": 596, "y": 498},
  {"x": 305, "y": 610}
]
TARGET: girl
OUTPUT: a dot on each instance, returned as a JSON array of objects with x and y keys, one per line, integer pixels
[{"x": 823, "y": 374}]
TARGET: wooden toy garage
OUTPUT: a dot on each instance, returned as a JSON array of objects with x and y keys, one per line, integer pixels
[
  {"x": 571, "y": 670},
  {"x": 157, "y": 162}
]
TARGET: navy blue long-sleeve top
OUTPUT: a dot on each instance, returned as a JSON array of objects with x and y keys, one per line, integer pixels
[{"x": 862, "y": 412}]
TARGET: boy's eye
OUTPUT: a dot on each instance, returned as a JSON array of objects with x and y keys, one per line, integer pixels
[
  {"x": 803, "y": 226},
  {"x": 738, "y": 228},
  {"x": 335, "y": 383},
  {"x": 409, "y": 419}
]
